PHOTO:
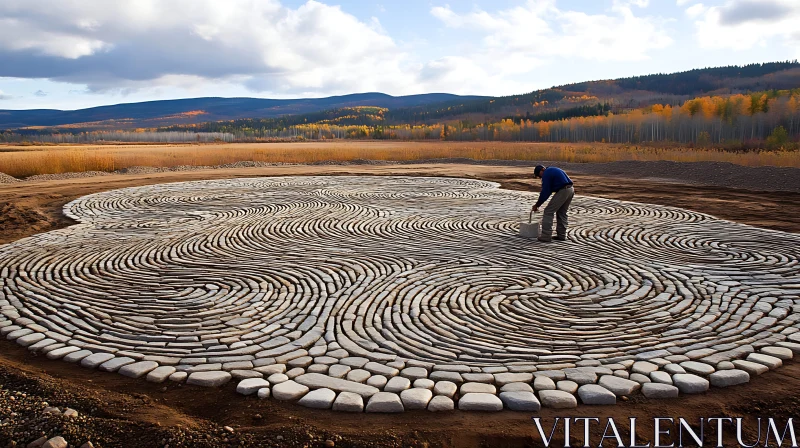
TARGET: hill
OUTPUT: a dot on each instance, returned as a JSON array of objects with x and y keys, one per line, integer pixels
[
  {"x": 621, "y": 95},
  {"x": 194, "y": 110}
]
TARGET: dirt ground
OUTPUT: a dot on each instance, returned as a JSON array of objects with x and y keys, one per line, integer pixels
[{"x": 117, "y": 411}]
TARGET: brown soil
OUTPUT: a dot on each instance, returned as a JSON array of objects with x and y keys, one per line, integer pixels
[{"x": 117, "y": 411}]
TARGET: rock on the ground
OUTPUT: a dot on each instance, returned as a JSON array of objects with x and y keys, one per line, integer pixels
[
  {"x": 595, "y": 394},
  {"x": 348, "y": 402},
  {"x": 137, "y": 369},
  {"x": 441, "y": 403},
  {"x": 289, "y": 390},
  {"x": 397, "y": 384},
  {"x": 752, "y": 368},
  {"x": 659, "y": 390},
  {"x": 726, "y": 378},
  {"x": 318, "y": 399},
  {"x": 415, "y": 398},
  {"x": 520, "y": 401},
  {"x": 767, "y": 360},
  {"x": 263, "y": 393},
  {"x": 689, "y": 383},
  {"x": 543, "y": 383},
  {"x": 55, "y": 442},
  {"x": 250, "y": 386},
  {"x": 160, "y": 374},
  {"x": 385, "y": 402},
  {"x": 446, "y": 388},
  {"x": 782, "y": 353},
  {"x": 480, "y": 402},
  {"x": 617, "y": 385},
  {"x": 209, "y": 379},
  {"x": 557, "y": 399}
]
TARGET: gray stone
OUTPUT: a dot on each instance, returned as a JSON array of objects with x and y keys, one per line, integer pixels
[
  {"x": 160, "y": 374},
  {"x": 639, "y": 378},
  {"x": 414, "y": 373},
  {"x": 726, "y": 378},
  {"x": 378, "y": 381},
  {"x": 348, "y": 402},
  {"x": 446, "y": 388},
  {"x": 289, "y": 391},
  {"x": 567, "y": 386},
  {"x": 178, "y": 377},
  {"x": 415, "y": 398},
  {"x": 397, "y": 384},
  {"x": 661, "y": 377},
  {"x": 480, "y": 402},
  {"x": 114, "y": 364},
  {"x": 318, "y": 399},
  {"x": 209, "y": 379},
  {"x": 76, "y": 356},
  {"x": 659, "y": 390},
  {"x": 595, "y": 394},
  {"x": 643, "y": 367},
  {"x": 338, "y": 370},
  {"x": 56, "y": 442},
  {"x": 516, "y": 387},
  {"x": 387, "y": 402},
  {"x": 543, "y": 383},
  {"x": 725, "y": 365},
  {"x": 482, "y": 388},
  {"x": 618, "y": 386},
  {"x": 769, "y": 361},
  {"x": 501, "y": 379},
  {"x": 752, "y": 368},
  {"x": 263, "y": 393},
  {"x": 441, "y": 403},
  {"x": 520, "y": 401},
  {"x": 557, "y": 399},
  {"x": 689, "y": 383},
  {"x": 277, "y": 378},
  {"x": 251, "y": 386},
  {"x": 672, "y": 369},
  {"x": 138, "y": 369},
  {"x": 424, "y": 383},
  {"x": 317, "y": 381},
  {"x": 782, "y": 353},
  {"x": 358, "y": 375},
  {"x": 697, "y": 368}
]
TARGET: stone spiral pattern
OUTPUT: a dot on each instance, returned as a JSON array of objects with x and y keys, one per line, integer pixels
[{"x": 378, "y": 289}]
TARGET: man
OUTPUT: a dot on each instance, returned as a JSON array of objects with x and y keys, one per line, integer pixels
[{"x": 554, "y": 180}]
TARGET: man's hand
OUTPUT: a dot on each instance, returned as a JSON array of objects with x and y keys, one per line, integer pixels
[{"x": 535, "y": 208}]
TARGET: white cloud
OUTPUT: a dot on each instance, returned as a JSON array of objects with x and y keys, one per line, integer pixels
[
  {"x": 539, "y": 29},
  {"x": 122, "y": 46},
  {"x": 4, "y": 96},
  {"x": 682, "y": 2},
  {"x": 744, "y": 24},
  {"x": 695, "y": 10}
]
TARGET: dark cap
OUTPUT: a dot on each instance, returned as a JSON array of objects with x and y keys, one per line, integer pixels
[{"x": 537, "y": 172}]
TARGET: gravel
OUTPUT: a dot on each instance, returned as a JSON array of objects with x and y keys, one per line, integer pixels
[{"x": 6, "y": 179}]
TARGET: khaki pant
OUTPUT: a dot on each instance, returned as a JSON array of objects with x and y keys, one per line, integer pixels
[{"x": 558, "y": 205}]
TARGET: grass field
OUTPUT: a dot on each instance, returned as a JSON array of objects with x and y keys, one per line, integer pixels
[{"x": 23, "y": 161}]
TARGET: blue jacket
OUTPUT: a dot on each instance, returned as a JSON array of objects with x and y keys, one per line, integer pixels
[{"x": 553, "y": 179}]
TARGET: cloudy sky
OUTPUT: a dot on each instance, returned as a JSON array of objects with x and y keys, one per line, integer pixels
[{"x": 70, "y": 54}]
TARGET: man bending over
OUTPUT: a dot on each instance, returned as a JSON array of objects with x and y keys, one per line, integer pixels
[{"x": 554, "y": 180}]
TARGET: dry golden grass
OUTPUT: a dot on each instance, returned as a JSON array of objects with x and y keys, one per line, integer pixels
[{"x": 22, "y": 161}]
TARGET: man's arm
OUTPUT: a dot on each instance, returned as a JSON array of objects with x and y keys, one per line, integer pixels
[{"x": 546, "y": 191}]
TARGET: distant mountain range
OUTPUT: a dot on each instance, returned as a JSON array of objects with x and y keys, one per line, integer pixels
[
  {"x": 195, "y": 110},
  {"x": 616, "y": 95}
]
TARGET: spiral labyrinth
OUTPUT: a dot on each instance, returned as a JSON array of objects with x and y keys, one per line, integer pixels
[{"x": 387, "y": 274}]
